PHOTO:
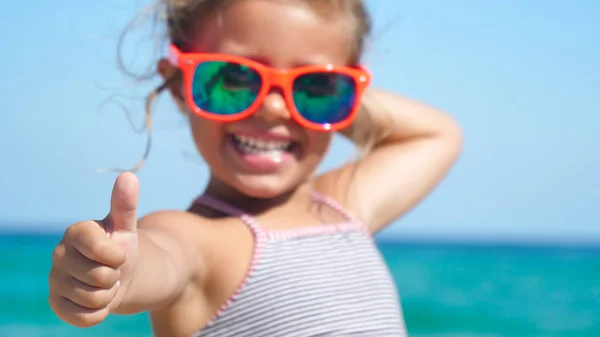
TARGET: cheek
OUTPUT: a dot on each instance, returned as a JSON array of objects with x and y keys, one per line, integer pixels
[
  {"x": 317, "y": 144},
  {"x": 208, "y": 136}
]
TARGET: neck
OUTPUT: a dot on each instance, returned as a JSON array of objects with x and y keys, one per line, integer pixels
[{"x": 226, "y": 193}]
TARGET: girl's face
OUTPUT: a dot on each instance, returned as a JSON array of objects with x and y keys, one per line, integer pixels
[{"x": 267, "y": 154}]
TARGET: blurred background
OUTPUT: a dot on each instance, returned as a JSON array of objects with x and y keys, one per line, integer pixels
[{"x": 508, "y": 245}]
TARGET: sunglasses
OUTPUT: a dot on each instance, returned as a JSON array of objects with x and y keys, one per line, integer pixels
[{"x": 228, "y": 88}]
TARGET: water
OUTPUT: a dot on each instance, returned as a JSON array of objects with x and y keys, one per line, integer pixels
[{"x": 447, "y": 291}]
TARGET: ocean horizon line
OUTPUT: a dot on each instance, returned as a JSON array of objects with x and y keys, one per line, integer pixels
[{"x": 24, "y": 229}]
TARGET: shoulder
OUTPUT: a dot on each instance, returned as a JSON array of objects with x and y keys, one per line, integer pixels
[
  {"x": 218, "y": 250},
  {"x": 187, "y": 233},
  {"x": 179, "y": 223},
  {"x": 183, "y": 223},
  {"x": 205, "y": 241},
  {"x": 187, "y": 227}
]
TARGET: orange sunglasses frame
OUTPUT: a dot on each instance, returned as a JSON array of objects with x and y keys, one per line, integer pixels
[{"x": 282, "y": 78}]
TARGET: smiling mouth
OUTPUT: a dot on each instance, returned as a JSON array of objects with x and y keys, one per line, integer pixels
[{"x": 270, "y": 148}]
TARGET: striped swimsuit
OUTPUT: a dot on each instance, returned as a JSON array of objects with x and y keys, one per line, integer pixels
[{"x": 326, "y": 280}]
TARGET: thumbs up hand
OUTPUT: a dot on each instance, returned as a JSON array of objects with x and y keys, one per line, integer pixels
[{"x": 95, "y": 260}]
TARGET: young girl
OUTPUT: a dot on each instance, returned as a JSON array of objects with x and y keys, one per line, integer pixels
[{"x": 269, "y": 249}]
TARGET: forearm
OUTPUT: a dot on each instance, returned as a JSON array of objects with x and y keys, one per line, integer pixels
[
  {"x": 409, "y": 148},
  {"x": 388, "y": 118},
  {"x": 159, "y": 275}
]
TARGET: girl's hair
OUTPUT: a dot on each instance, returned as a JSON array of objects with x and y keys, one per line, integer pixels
[{"x": 181, "y": 17}]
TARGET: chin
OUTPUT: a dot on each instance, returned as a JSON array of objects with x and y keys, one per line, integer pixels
[{"x": 263, "y": 187}]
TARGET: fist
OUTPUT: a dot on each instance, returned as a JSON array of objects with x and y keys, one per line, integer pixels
[{"x": 94, "y": 260}]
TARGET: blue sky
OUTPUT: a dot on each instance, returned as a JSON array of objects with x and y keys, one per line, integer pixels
[{"x": 522, "y": 78}]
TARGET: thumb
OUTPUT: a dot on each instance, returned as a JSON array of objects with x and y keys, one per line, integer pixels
[{"x": 123, "y": 204}]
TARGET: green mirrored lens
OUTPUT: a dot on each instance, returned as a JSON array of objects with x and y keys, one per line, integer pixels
[
  {"x": 324, "y": 98},
  {"x": 225, "y": 88}
]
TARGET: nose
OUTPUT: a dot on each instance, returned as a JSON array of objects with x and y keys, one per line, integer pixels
[{"x": 274, "y": 107}]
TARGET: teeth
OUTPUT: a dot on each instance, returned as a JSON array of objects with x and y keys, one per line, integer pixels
[
  {"x": 275, "y": 156},
  {"x": 261, "y": 144},
  {"x": 273, "y": 150}
]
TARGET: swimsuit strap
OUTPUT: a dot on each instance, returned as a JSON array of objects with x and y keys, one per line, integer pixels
[
  {"x": 225, "y": 208},
  {"x": 210, "y": 202},
  {"x": 335, "y": 206}
]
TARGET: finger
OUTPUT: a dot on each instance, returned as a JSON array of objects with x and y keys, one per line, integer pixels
[
  {"x": 74, "y": 314},
  {"x": 80, "y": 293},
  {"x": 123, "y": 204},
  {"x": 90, "y": 240},
  {"x": 90, "y": 272}
]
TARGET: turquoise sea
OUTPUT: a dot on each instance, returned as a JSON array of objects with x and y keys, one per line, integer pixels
[{"x": 448, "y": 290}]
